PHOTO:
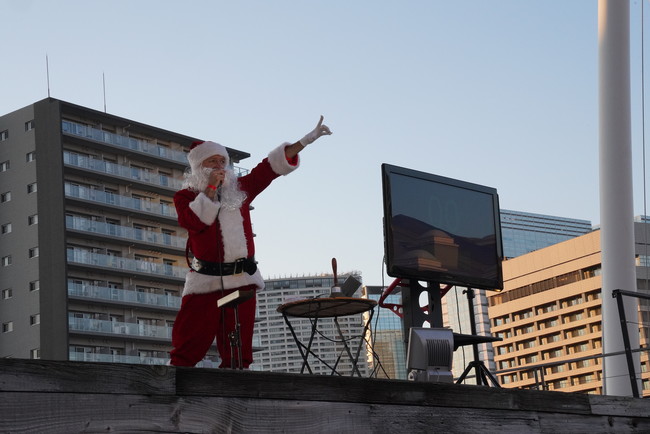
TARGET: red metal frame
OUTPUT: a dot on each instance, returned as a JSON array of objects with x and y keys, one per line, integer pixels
[{"x": 397, "y": 308}]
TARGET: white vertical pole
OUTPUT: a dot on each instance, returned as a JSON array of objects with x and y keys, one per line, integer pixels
[{"x": 616, "y": 206}]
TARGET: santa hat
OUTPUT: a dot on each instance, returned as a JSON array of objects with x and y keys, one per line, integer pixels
[{"x": 201, "y": 150}]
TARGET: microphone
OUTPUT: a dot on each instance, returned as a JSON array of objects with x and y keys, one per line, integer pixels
[{"x": 219, "y": 187}]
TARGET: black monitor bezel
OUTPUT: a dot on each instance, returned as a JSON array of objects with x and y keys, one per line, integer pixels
[{"x": 458, "y": 279}]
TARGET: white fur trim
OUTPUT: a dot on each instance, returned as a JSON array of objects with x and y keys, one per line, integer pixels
[
  {"x": 232, "y": 232},
  {"x": 206, "y": 150},
  {"x": 197, "y": 283},
  {"x": 278, "y": 160},
  {"x": 204, "y": 208}
]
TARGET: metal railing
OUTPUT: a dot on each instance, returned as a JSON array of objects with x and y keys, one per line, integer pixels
[
  {"x": 132, "y": 234},
  {"x": 130, "y": 143},
  {"x": 113, "y": 169},
  {"x": 113, "y": 139},
  {"x": 76, "y": 356},
  {"x": 119, "y": 328},
  {"x": 107, "y": 198},
  {"x": 122, "y": 295},
  {"x": 120, "y": 263}
]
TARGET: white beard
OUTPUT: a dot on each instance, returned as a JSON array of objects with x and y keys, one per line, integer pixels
[{"x": 231, "y": 196}]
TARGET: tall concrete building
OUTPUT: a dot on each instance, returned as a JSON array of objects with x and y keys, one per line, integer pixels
[
  {"x": 549, "y": 316},
  {"x": 92, "y": 258},
  {"x": 278, "y": 350}
]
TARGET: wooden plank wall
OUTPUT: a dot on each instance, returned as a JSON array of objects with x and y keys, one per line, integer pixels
[{"x": 71, "y": 397}]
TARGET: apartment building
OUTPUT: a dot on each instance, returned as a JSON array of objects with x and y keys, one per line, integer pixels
[
  {"x": 550, "y": 316},
  {"x": 92, "y": 259}
]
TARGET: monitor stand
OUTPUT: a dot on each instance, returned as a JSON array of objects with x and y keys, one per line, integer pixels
[{"x": 482, "y": 373}]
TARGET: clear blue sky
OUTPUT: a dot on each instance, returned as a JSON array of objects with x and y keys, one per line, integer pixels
[{"x": 501, "y": 93}]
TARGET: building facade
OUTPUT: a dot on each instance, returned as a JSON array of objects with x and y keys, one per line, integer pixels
[
  {"x": 524, "y": 232},
  {"x": 550, "y": 317},
  {"x": 93, "y": 259}
]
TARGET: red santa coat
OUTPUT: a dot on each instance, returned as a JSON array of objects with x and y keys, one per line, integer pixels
[{"x": 217, "y": 234}]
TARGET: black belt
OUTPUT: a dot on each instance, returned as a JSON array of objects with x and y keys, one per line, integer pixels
[{"x": 240, "y": 266}]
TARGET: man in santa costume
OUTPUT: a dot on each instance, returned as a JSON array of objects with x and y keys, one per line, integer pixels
[{"x": 214, "y": 208}]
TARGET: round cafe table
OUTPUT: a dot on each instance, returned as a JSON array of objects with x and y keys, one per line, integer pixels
[{"x": 327, "y": 307}]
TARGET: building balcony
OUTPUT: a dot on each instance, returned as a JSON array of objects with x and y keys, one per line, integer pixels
[
  {"x": 127, "y": 235},
  {"x": 128, "y": 144},
  {"x": 116, "y": 358},
  {"x": 111, "y": 201},
  {"x": 122, "y": 296},
  {"x": 132, "y": 146},
  {"x": 109, "y": 171},
  {"x": 120, "y": 329},
  {"x": 133, "y": 360},
  {"x": 125, "y": 266}
]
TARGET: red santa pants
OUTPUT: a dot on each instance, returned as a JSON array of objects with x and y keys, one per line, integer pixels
[{"x": 199, "y": 321}]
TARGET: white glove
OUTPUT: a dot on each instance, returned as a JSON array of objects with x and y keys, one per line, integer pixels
[{"x": 320, "y": 130}]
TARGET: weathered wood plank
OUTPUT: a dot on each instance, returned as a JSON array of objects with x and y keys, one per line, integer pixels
[
  {"x": 53, "y": 376},
  {"x": 70, "y": 413},
  {"x": 619, "y": 406},
  {"x": 202, "y": 382},
  {"x": 45, "y": 396}
]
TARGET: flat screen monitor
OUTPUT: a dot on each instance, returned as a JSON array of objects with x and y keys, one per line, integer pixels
[{"x": 443, "y": 230}]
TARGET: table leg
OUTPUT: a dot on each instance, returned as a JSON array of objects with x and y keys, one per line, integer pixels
[
  {"x": 299, "y": 345},
  {"x": 363, "y": 338},
  {"x": 347, "y": 348}
]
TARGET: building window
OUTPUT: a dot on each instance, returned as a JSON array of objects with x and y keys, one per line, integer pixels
[
  {"x": 166, "y": 207},
  {"x": 31, "y": 188},
  {"x": 35, "y": 319},
  {"x": 34, "y": 285},
  {"x": 7, "y": 327},
  {"x": 7, "y": 293},
  {"x": 30, "y": 156},
  {"x": 523, "y": 314},
  {"x": 33, "y": 252},
  {"x": 4, "y": 166},
  {"x": 6, "y": 261},
  {"x": 35, "y": 353},
  {"x": 5, "y": 197},
  {"x": 29, "y": 125},
  {"x": 32, "y": 219},
  {"x": 5, "y": 228},
  {"x": 4, "y": 135}
]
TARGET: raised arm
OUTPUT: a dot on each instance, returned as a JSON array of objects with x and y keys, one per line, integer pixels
[{"x": 321, "y": 130}]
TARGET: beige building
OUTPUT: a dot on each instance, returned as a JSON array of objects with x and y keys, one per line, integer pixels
[{"x": 549, "y": 316}]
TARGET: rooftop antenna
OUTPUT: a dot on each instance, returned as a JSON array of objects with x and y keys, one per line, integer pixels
[
  {"x": 104, "y": 87},
  {"x": 47, "y": 70}
]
